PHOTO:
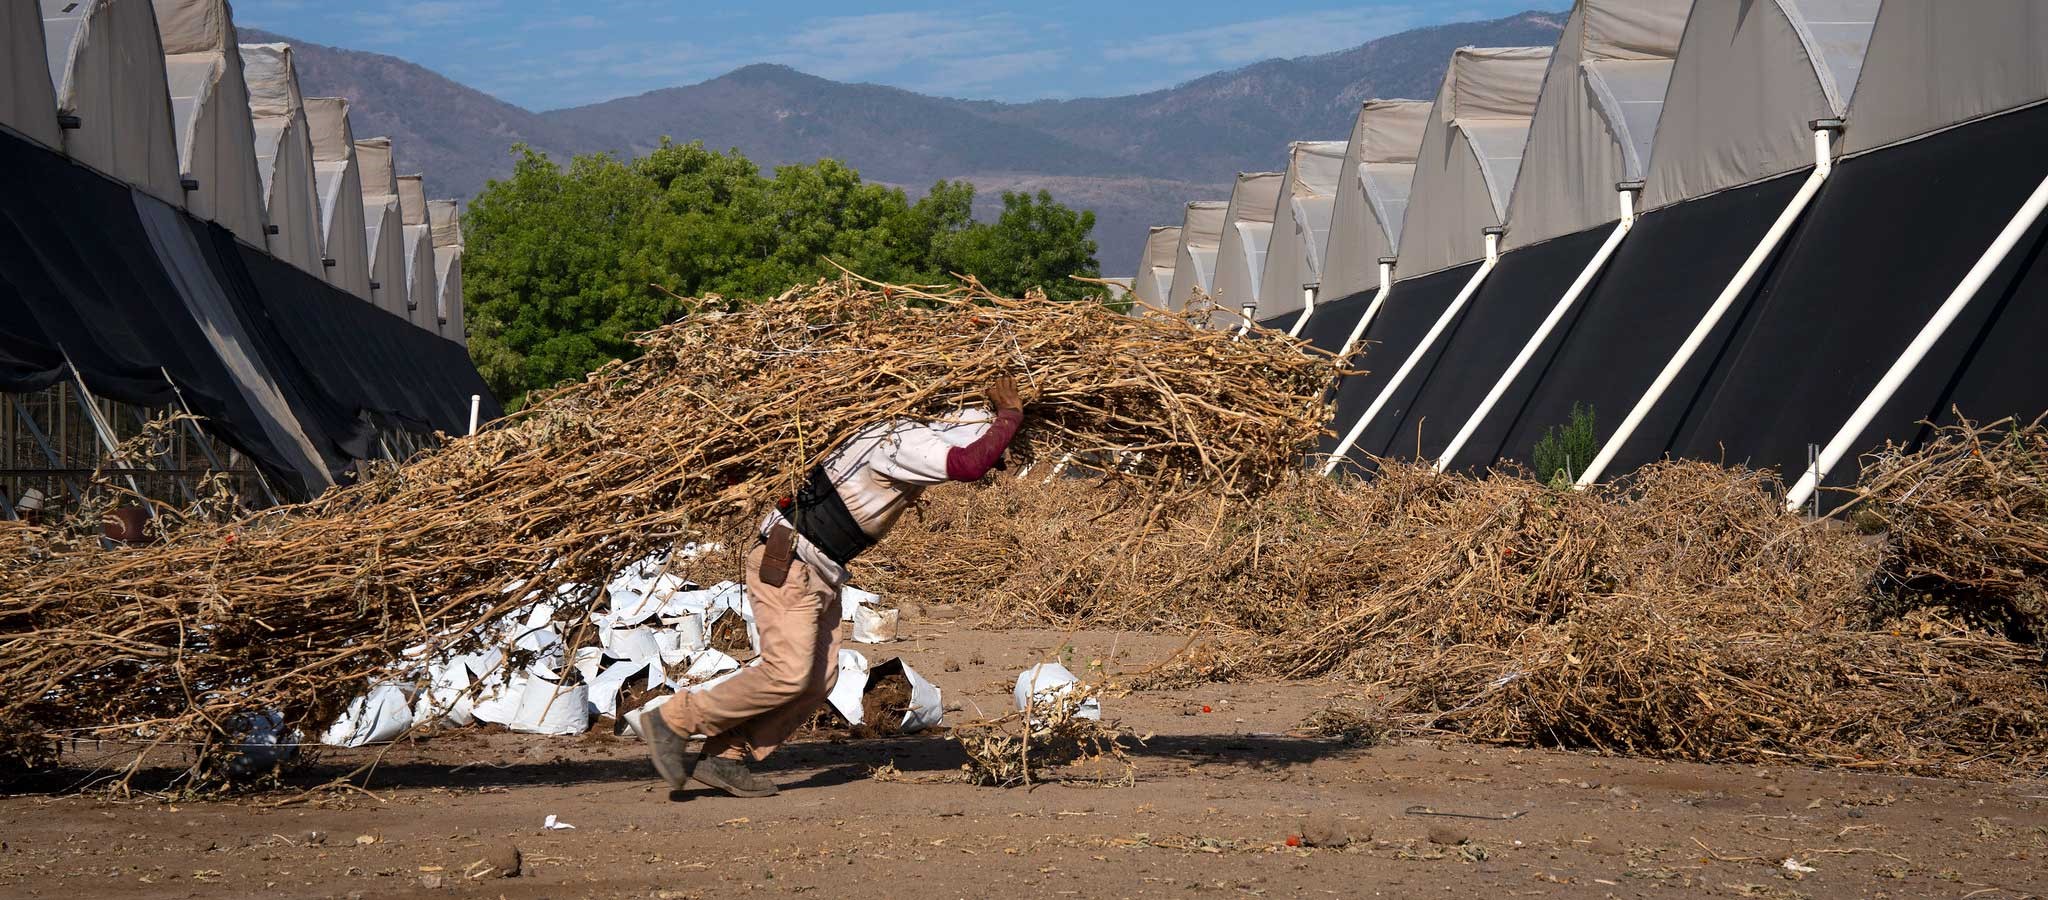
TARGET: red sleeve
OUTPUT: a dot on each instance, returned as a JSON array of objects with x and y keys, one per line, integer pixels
[{"x": 973, "y": 461}]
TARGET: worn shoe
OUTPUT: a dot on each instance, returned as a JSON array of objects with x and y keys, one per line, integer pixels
[
  {"x": 733, "y": 777},
  {"x": 670, "y": 751}
]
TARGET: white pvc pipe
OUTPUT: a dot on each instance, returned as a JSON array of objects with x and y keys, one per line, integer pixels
[
  {"x": 1823, "y": 165},
  {"x": 1308, "y": 308},
  {"x": 1557, "y": 314},
  {"x": 1371, "y": 310},
  {"x": 1443, "y": 322},
  {"x": 1846, "y": 439},
  {"x": 476, "y": 402}
]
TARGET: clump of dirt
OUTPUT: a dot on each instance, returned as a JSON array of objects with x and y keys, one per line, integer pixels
[
  {"x": 883, "y": 705},
  {"x": 728, "y": 635}
]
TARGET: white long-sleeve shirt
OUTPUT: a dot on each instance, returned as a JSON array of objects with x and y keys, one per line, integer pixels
[{"x": 883, "y": 469}]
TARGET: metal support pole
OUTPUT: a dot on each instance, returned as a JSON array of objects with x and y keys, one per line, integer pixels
[
  {"x": 1443, "y": 323},
  {"x": 105, "y": 432},
  {"x": 1246, "y": 312},
  {"x": 1887, "y": 387},
  {"x": 1372, "y": 310},
  {"x": 1627, "y": 190},
  {"x": 49, "y": 451},
  {"x": 1823, "y": 165},
  {"x": 206, "y": 444}
]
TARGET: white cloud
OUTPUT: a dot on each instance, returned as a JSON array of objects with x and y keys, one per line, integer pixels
[{"x": 1280, "y": 37}]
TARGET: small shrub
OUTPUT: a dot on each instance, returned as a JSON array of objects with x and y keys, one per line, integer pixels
[{"x": 1565, "y": 450}]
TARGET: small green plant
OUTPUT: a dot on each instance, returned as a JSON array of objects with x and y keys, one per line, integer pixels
[{"x": 1565, "y": 450}]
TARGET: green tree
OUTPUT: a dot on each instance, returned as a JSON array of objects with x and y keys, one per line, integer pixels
[
  {"x": 565, "y": 264},
  {"x": 1034, "y": 243}
]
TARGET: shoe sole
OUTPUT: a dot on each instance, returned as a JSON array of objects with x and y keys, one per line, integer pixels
[
  {"x": 676, "y": 780},
  {"x": 711, "y": 779}
]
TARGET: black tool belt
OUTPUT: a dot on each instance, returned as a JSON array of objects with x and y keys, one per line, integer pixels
[{"x": 821, "y": 516}]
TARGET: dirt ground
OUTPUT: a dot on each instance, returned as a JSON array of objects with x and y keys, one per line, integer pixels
[{"x": 1222, "y": 784}]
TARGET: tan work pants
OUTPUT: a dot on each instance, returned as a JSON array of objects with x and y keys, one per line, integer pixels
[{"x": 753, "y": 712}]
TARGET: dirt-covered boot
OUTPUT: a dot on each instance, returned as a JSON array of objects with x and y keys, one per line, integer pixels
[
  {"x": 733, "y": 777},
  {"x": 670, "y": 751}
]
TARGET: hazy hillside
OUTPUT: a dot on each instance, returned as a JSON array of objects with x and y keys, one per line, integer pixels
[{"x": 1134, "y": 160}]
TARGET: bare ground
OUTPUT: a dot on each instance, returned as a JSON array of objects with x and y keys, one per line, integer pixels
[{"x": 1217, "y": 796}]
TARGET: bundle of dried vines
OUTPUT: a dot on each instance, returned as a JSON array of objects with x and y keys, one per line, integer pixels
[
  {"x": 1968, "y": 519},
  {"x": 294, "y": 610},
  {"x": 1682, "y": 614}
]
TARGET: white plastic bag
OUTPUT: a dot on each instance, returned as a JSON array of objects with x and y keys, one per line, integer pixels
[
  {"x": 606, "y": 688},
  {"x": 547, "y": 707},
  {"x": 636, "y": 644},
  {"x": 847, "y": 687},
  {"x": 382, "y": 714},
  {"x": 1045, "y": 681},
  {"x": 874, "y": 626},
  {"x": 852, "y": 598},
  {"x": 926, "y": 706}
]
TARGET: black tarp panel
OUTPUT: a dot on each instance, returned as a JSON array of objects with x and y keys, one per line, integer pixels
[
  {"x": 79, "y": 271},
  {"x": 364, "y": 357},
  {"x": 1889, "y": 238},
  {"x": 1282, "y": 323},
  {"x": 1332, "y": 322},
  {"x": 27, "y": 361},
  {"x": 1522, "y": 289},
  {"x": 1410, "y": 311},
  {"x": 74, "y": 255},
  {"x": 1653, "y": 292}
]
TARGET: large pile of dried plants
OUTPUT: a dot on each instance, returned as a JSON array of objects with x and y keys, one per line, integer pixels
[
  {"x": 295, "y": 610},
  {"x": 1680, "y": 613}
]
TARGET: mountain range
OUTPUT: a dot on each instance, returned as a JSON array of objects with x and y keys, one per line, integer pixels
[{"x": 1134, "y": 160}]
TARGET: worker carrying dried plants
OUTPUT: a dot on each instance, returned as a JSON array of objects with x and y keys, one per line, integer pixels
[{"x": 794, "y": 574}]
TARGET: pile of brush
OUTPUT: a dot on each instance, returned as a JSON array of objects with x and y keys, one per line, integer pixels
[
  {"x": 296, "y": 610},
  {"x": 1680, "y": 614}
]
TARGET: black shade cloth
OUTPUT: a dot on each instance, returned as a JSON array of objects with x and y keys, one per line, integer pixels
[
  {"x": 1332, "y": 322},
  {"x": 1607, "y": 351},
  {"x": 1282, "y": 323},
  {"x": 1410, "y": 311},
  {"x": 74, "y": 256},
  {"x": 80, "y": 274},
  {"x": 1890, "y": 237},
  {"x": 366, "y": 358},
  {"x": 1475, "y": 351}
]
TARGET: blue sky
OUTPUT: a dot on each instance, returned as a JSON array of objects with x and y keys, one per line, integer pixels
[{"x": 546, "y": 54}]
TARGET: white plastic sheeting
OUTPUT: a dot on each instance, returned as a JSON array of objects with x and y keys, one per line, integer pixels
[
  {"x": 284, "y": 155},
  {"x": 1471, "y": 153},
  {"x": 1301, "y": 230},
  {"x": 1046, "y": 682},
  {"x": 1194, "y": 260},
  {"x": 1937, "y": 63},
  {"x": 210, "y": 115},
  {"x": 1749, "y": 79},
  {"x": 1154, "y": 280},
  {"x": 1372, "y": 194},
  {"x": 107, "y": 66},
  {"x": 423, "y": 288},
  {"x": 338, "y": 186},
  {"x": 445, "y": 216},
  {"x": 384, "y": 227},
  {"x": 1597, "y": 118},
  {"x": 28, "y": 102},
  {"x": 1241, "y": 253}
]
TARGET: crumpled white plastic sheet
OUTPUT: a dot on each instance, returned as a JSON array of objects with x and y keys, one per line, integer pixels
[
  {"x": 1044, "y": 682},
  {"x": 852, "y": 598},
  {"x": 548, "y": 707},
  {"x": 380, "y": 715},
  {"x": 927, "y": 707},
  {"x": 875, "y": 626}
]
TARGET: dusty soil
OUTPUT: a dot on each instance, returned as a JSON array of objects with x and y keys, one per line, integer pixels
[{"x": 1218, "y": 795}]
